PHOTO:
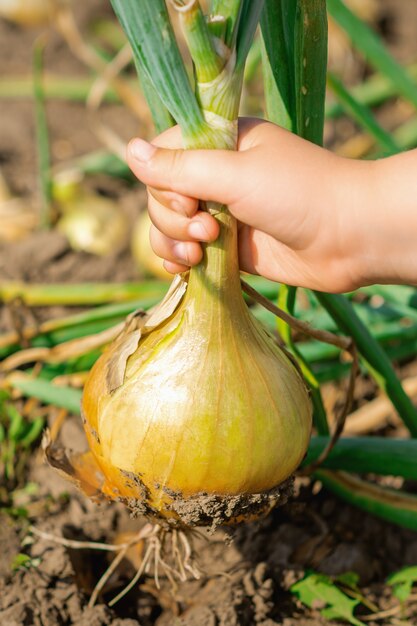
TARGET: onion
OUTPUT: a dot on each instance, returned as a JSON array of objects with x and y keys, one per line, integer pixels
[
  {"x": 197, "y": 416},
  {"x": 93, "y": 224},
  {"x": 194, "y": 415},
  {"x": 27, "y": 12}
]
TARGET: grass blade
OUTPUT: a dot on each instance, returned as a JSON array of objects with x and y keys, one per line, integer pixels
[
  {"x": 42, "y": 136},
  {"x": 79, "y": 295},
  {"x": 47, "y": 392}
]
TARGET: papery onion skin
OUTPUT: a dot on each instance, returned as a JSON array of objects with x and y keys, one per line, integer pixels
[
  {"x": 209, "y": 405},
  {"x": 94, "y": 224}
]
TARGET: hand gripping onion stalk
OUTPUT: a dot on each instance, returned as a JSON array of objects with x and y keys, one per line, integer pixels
[{"x": 194, "y": 414}]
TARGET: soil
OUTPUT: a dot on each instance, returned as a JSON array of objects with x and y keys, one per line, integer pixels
[{"x": 248, "y": 572}]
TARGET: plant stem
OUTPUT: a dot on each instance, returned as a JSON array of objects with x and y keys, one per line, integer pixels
[
  {"x": 230, "y": 11},
  {"x": 310, "y": 59},
  {"x": 206, "y": 61},
  {"x": 368, "y": 455},
  {"x": 42, "y": 136},
  {"x": 286, "y": 301},
  {"x": 70, "y": 88},
  {"x": 79, "y": 295},
  {"x": 394, "y": 506},
  {"x": 275, "y": 66}
]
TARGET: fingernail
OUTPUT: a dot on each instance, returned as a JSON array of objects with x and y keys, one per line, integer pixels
[
  {"x": 197, "y": 230},
  {"x": 180, "y": 252},
  {"x": 141, "y": 150}
]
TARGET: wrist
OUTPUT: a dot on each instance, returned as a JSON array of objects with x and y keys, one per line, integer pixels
[
  {"x": 386, "y": 222},
  {"x": 350, "y": 213}
]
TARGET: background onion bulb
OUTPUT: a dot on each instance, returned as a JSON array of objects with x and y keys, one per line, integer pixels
[
  {"x": 210, "y": 417},
  {"x": 94, "y": 224},
  {"x": 27, "y": 12},
  {"x": 142, "y": 250}
]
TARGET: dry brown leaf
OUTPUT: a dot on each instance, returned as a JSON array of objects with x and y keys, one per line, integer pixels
[
  {"x": 80, "y": 469},
  {"x": 116, "y": 367},
  {"x": 139, "y": 324},
  {"x": 378, "y": 412},
  {"x": 63, "y": 351}
]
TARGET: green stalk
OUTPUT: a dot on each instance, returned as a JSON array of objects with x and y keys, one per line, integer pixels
[
  {"x": 286, "y": 301},
  {"x": 79, "y": 295},
  {"x": 42, "y": 136},
  {"x": 48, "y": 393},
  {"x": 310, "y": 58},
  {"x": 162, "y": 118},
  {"x": 391, "y": 505},
  {"x": 160, "y": 59},
  {"x": 363, "y": 116},
  {"x": 207, "y": 62},
  {"x": 54, "y": 87},
  {"x": 275, "y": 66},
  {"x": 368, "y": 455},
  {"x": 249, "y": 19},
  {"x": 230, "y": 11},
  {"x": 213, "y": 121},
  {"x": 55, "y": 331}
]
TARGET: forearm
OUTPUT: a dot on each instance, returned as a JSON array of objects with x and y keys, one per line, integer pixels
[{"x": 382, "y": 218}]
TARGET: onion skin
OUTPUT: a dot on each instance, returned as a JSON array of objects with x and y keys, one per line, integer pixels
[
  {"x": 93, "y": 224},
  {"x": 209, "y": 405}
]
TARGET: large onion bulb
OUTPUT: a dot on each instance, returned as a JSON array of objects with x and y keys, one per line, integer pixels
[{"x": 197, "y": 416}]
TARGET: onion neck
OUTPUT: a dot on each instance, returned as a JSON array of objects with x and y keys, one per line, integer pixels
[{"x": 217, "y": 275}]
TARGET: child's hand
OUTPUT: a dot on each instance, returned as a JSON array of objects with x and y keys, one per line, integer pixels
[{"x": 306, "y": 217}]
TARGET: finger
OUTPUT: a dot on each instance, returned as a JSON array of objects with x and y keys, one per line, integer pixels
[
  {"x": 174, "y": 268},
  {"x": 202, "y": 227},
  {"x": 203, "y": 174},
  {"x": 180, "y": 252},
  {"x": 181, "y": 204},
  {"x": 247, "y": 134}
]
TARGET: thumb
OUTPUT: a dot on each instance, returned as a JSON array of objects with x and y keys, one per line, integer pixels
[{"x": 204, "y": 174}]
